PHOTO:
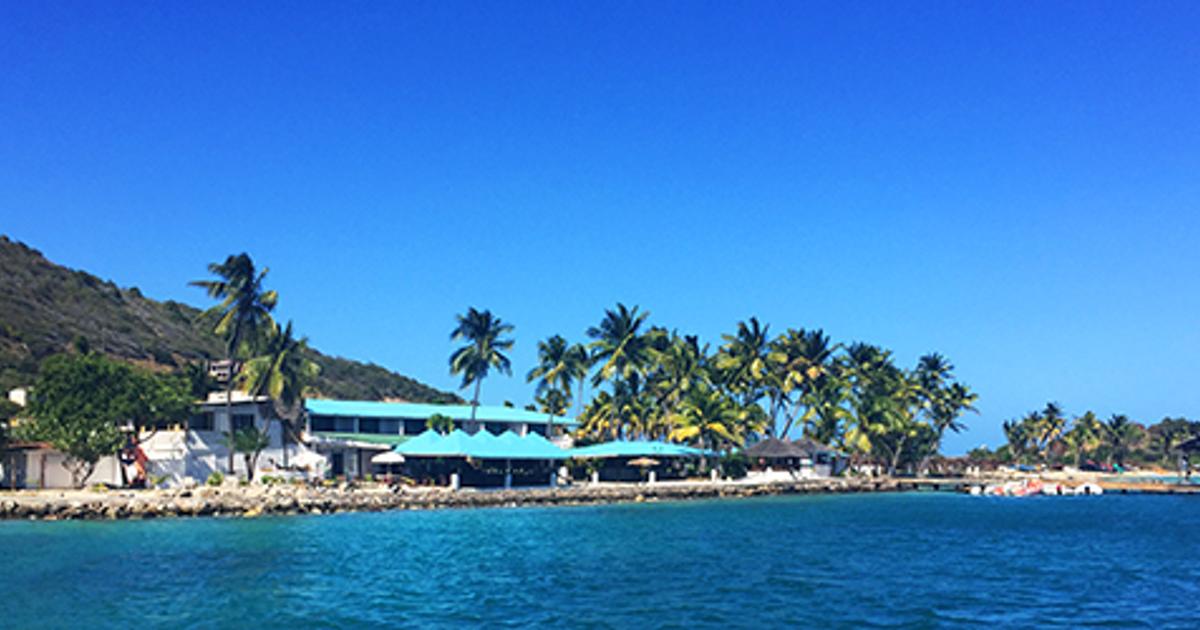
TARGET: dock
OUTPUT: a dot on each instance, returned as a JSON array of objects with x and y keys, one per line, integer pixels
[{"x": 962, "y": 484}]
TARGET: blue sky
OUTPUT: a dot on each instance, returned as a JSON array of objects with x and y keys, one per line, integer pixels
[{"x": 1015, "y": 186}]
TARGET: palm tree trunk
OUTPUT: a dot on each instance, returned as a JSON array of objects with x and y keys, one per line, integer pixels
[
  {"x": 229, "y": 413},
  {"x": 475, "y": 400}
]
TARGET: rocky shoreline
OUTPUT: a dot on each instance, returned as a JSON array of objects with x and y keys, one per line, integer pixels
[{"x": 256, "y": 500}]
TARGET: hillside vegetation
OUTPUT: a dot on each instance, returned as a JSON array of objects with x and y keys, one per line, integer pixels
[{"x": 45, "y": 308}]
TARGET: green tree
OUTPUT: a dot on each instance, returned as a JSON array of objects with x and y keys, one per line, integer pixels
[
  {"x": 483, "y": 351},
  {"x": 742, "y": 362},
  {"x": 1084, "y": 437},
  {"x": 554, "y": 373},
  {"x": 800, "y": 362},
  {"x": 580, "y": 361},
  {"x": 78, "y": 405},
  {"x": 285, "y": 374},
  {"x": 709, "y": 419},
  {"x": 1120, "y": 436},
  {"x": 242, "y": 315},
  {"x": 441, "y": 423},
  {"x": 250, "y": 442},
  {"x": 623, "y": 354}
]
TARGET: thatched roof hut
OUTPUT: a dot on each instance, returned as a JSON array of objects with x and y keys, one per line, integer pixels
[{"x": 773, "y": 448}]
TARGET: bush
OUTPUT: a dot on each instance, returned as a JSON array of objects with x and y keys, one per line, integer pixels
[
  {"x": 215, "y": 479},
  {"x": 735, "y": 465}
]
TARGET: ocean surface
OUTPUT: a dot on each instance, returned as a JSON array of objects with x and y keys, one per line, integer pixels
[{"x": 856, "y": 561}]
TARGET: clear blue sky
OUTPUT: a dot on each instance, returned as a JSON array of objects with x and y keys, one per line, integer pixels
[{"x": 1016, "y": 186}]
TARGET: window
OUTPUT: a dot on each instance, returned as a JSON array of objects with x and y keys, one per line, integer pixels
[
  {"x": 413, "y": 427},
  {"x": 539, "y": 429},
  {"x": 368, "y": 425},
  {"x": 201, "y": 422},
  {"x": 495, "y": 428},
  {"x": 322, "y": 423},
  {"x": 243, "y": 421}
]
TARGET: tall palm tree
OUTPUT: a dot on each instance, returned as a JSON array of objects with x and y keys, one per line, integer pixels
[
  {"x": 623, "y": 354},
  {"x": 1050, "y": 426},
  {"x": 1120, "y": 434},
  {"x": 1085, "y": 436},
  {"x": 742, "y": 361},
  {"x": 554, "y": 373},
  {"x": 800, "y": 359},
  {"x": 243, "y": 312},
  {"x": 284, "y": 373},
  {"x": 580, "y": 361},
  {"x": 483, "y": 351},
  {"x": 709, "y": 419},
  {"x": 680, "y": 368}
]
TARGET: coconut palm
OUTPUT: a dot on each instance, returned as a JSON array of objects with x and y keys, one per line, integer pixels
[
  {"x": 284, "y": 373},
  {"x": 623, "y": 354},
  {"x": 709, "y": 419},
  {"x": 742, "y": 362},
  {"x": 681, "y": 367},
  {"x": 554, "y": 373},
  {"x": 1085, "y": 436},
  {"x": 483, "y": 351},
  {"x": 243, "y": 312},
  {"x": 1120, "y": 435},
  {"x": 580, "y": 362},
  {"x": 799, "y": 360}
]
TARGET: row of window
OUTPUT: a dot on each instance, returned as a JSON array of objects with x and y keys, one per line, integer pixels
[
  {"x": 206, "y": 422},
  {"x": 331, "y": 424}
]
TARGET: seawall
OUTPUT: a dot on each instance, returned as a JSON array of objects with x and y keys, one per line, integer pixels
[{"x": 250, "y": 501}]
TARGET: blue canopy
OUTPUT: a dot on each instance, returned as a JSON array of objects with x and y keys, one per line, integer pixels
[
  {"x": 634, "y": 448},
  {"x": 482, "y": 445}
]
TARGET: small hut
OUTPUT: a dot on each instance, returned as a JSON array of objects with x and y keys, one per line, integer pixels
[{"x": 773, "y": 453}]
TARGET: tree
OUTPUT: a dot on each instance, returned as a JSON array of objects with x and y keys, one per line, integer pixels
[
  {"x": 742, "y": 362},
  {"x": 440, "y": 423},
  {"x": 554, "y": 374},
  {"x": 1085, "y": 436},
  {"x": 1120, "y": 434},
  {"x": 800, "y": 363},
  {"x": 78, "y": 405},
  {"x": 483, "y": 351},
  {"x": 250, "y": 442},
  {"x": 243, "y": 313},
  {"x": 283, "y": 373},
  {"x": 709, "y": 419},
  {"x": 623, "y": 355},
  {"x": 580, "y": 361}
]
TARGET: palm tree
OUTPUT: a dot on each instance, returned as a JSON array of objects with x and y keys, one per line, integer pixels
[
  {"x": 483, "y": 351},
  {"x": 709, "y": 419},
  {"x": 1050, "y": 425},
  {"x": 681, "y": 367},
  {"x": 555, "y": 373},
  {"x": 284, "y": 373},
  {"x": 742, "y": 361},
  {"x": 580, "y": 362},
  {"x": 623, "y": 355},
  {"x": 800, "y": 359},
  {"x": 243, "y": 312},
  {"x": 1085, "y": 436},
  {"x": 1120, "y": 434}
]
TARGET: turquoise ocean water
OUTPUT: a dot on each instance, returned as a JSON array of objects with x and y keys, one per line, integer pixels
[{"x": 913, "y": 560}]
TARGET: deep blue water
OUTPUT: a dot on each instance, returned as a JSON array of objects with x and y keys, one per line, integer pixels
[{"x": 923, "y": 560}]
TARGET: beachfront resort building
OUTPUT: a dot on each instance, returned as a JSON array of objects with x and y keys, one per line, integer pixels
[
  {"x": 350, "y": 432},
  {"x": 339, "y": 440}
]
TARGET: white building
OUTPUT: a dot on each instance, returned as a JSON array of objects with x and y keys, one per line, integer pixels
[{"x": 175, "y": 453}]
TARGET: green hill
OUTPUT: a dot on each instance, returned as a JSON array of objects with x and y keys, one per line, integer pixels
[{"x": 45, "y": 307}]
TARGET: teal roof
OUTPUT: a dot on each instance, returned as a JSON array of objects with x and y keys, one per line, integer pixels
[
  {"x": 631, "y": 448},
  {"x": 422, "y": 411},
  {"x": 482, "y": 445}
]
